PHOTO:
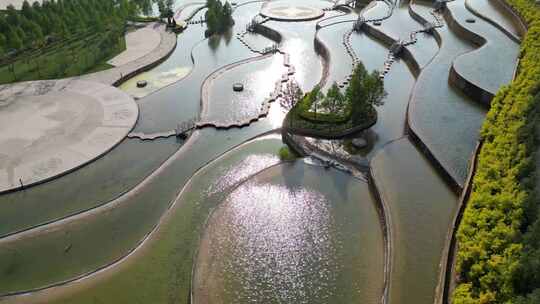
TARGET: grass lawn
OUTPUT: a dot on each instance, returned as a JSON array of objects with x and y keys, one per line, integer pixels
[{"x": 71, "y": 57}]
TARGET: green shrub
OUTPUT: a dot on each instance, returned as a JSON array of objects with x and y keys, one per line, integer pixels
[
  {"x": 499, "y": 248},
  {"x": 287, "y": 154}
]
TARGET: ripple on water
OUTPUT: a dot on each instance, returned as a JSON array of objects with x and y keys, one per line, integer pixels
[
  {"x": 237, "y": 172},
  {"x": 283, "y": 238}
]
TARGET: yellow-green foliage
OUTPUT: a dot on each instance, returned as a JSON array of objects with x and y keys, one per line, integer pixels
[
  {"x": 497, "y": 237},
  {"x": 287, "y": 154}
]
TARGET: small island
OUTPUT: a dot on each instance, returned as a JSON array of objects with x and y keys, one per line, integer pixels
[{"x": 336, "y": 114}]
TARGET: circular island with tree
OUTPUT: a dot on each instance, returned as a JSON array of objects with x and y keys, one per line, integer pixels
[{"x": 336, "y": 114}]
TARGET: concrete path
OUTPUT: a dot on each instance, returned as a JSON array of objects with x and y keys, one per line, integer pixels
[
  {"x": 139, "y": 43},
  {"x": 117, "y": 75},
  {"x": 53, "y": 127}
]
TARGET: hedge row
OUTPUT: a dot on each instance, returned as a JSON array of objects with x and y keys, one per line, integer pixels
[{"x": 498, "y": 257}]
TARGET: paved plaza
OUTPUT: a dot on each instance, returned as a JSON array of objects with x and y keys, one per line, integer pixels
[
  {"x": 287, "y": 12},
  {"x": 52, "y": 127}
]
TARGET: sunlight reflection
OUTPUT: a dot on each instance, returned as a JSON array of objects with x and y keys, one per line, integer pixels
[
  {"x": 280, "y": 243},
  {"x": 239, "y": 171},
  {"x": 155, "y": 81}
]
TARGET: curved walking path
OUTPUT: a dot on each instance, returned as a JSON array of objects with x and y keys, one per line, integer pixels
[
  {"x": 132, "y": 64},
  {"x": 345, "y": 18},
  {"x": 285, "y": 12},
  {"x": 139, "y": 42},
  {"x": 494, "y": 12},
  {"x": 180, "y": 11},
  {"x": 474, "y": 72}
]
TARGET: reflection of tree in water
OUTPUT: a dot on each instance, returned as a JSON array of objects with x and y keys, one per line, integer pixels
[{"x": 215, "y": 40}]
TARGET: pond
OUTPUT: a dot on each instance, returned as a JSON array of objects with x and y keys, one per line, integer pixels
[{"x": 294, "y": 233}]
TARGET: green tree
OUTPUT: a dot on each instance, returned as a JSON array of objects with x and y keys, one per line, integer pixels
[
  {"x": 532, "y": 298},
  {"x": 165, "y": 8},
  {"x": 3, "y": 43},
  {"x": 27, "y": 11},
  {"x": 12, "y": 16},
  {"x": 373, "y": 87},
  {"x": 227, "y": 15},
  {"x": 315, "y": 97},
  {"x": 218, "y": 16},
  {"x": 169, "y": 4},
  {"x": 335, "y": 100},
  {"x": 14, "y": 41},
  {"x": 35, "y": 33},
  {"x": 4, "y": 26},
  {"x": 364, "y": 92}
]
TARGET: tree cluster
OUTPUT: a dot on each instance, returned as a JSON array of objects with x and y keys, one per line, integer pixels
[
  {"x": 166, "y": 9},
  {"x": 218, "y": 17},
  {"x": 498, "y": 257},
  {"x": 37, "y": 25},
  {"x": 338, "y": 111},
  {"x": 364, "y": 92}
]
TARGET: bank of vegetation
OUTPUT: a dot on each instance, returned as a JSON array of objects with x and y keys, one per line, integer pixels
[
  {"x": 335, "y": 113},
  {"x": 218, "y": 17},
  {"x": 61, "y": 38},
  {"x": 498, "y": 257}
]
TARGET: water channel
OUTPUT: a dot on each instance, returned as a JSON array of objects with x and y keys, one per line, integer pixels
[{"x": 219, "y": 218}]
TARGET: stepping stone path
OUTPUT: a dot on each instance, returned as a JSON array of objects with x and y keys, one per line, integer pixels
[
  {"x": 357, "y": 26},
  {"x": 196, "y": 21},
  {"x": 397, "y": 47},
  {"x": 250, "y": 28}
]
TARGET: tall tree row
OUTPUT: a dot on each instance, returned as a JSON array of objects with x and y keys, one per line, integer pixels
[{"x": 37, "y": 25}]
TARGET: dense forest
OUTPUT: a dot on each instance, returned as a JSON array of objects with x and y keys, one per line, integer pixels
[
  {"x": 498, "y": 257},
  {"x": 61, "y": 38},
  {"x": 36, "y": 25}
]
